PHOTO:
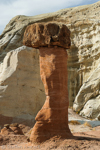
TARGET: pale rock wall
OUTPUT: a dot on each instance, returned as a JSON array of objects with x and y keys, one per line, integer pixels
[
  {"x": 83, "y": 57},
  {"x": 21, "y": 90},
  {"x": 84, "y": 54},
  {"x": 87, "y": 100}
]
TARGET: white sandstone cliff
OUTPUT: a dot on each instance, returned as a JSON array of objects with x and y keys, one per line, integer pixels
[{"x": 21, "y": 90}]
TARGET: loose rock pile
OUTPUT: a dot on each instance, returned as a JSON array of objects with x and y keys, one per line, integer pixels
[{"x": 11, "y": 129}]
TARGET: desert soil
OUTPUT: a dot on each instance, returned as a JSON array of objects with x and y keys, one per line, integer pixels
[{"x": 86, "y": 137}]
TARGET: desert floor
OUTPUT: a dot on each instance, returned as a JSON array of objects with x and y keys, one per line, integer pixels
[{"x": 86, "y": 137}]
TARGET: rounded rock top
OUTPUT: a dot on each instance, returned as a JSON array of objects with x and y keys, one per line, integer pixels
[{"x": 47, "y": 34}]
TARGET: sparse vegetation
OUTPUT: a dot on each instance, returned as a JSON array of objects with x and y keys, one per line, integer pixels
[
  {"x": 87, "y": 124},
  {"x": 74, "y": 122}
]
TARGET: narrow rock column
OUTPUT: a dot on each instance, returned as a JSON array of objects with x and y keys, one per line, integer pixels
[{"x": 52, "y": 39}]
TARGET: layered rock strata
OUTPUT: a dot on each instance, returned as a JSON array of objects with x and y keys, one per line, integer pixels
[
  {"x": 87, "y": 101},
  {"x": 53, "y": 71}
]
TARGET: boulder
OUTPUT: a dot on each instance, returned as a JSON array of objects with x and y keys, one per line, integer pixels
[
  {"x": 7, "y": 131},
  {"x": 91, "y": 109},
  {"x": 21, "y": 89}
]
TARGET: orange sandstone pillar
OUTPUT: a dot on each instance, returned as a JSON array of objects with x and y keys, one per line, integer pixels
[{"x": 52, "y": 39}]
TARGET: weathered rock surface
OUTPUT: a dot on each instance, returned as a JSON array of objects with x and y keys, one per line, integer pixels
[
  {"x": 44, "y": 35},
  {"x": 11, "y": 129},
  {"x": 52, "y": 39},
  {"x": 21, "y": 90},
  {"x": 84, "y": 24},
  {"x": 91, "y": 109},
  {"x": 87, "y": 100}
]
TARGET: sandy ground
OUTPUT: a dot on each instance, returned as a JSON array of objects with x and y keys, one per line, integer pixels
[{"x": 86, "y": 137}]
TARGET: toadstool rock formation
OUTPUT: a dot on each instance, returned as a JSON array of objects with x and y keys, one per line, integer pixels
[{"x": 52, "y": 39}]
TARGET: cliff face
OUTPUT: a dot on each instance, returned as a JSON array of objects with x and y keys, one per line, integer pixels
[{"x": 83, "y": 60}]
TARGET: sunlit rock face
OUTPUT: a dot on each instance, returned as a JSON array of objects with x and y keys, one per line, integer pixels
[
  {"x": 83, "y": 57},
  {"x": 21, "y": 90},
  {"x": 52, "y": 39}
]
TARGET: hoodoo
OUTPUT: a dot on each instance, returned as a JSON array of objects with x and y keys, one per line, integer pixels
[{"x": 52, "y": 40}]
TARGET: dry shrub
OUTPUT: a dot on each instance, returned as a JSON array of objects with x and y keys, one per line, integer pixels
[
  {"x": 87, "y": 124},
  {"x": 94, "y": 129},
  {"x": 74, "y": 122}
]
